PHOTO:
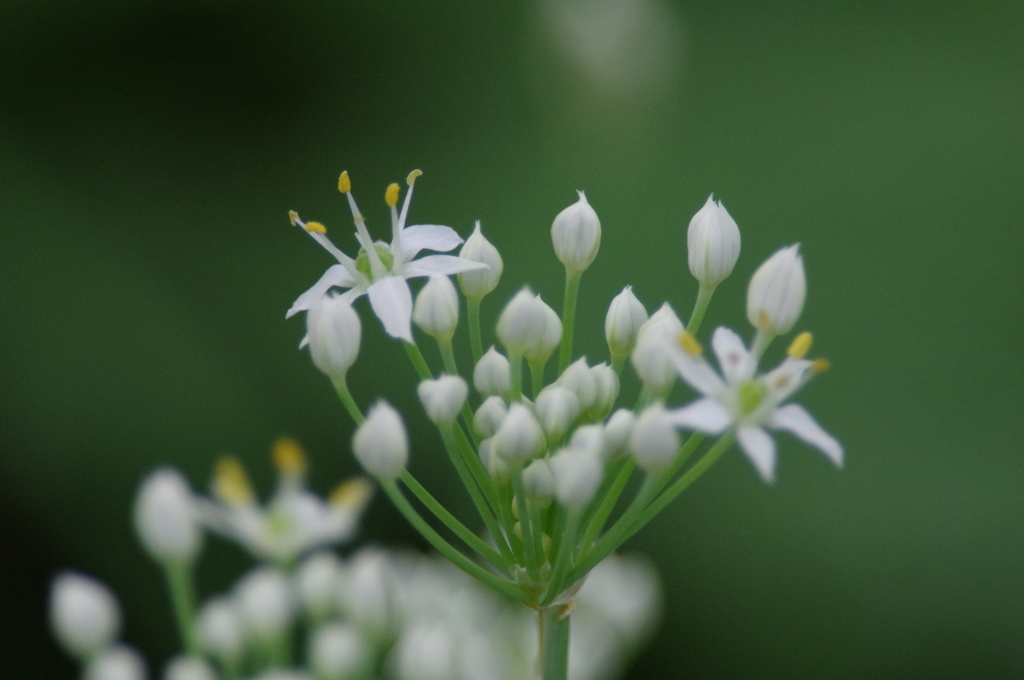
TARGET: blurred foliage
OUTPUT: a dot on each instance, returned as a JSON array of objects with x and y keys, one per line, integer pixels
[{"x": 150, "y": 152}]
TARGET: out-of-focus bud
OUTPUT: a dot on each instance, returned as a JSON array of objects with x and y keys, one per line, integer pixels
[
  {"x": 84, "y": 614},
  {"x": 520, "y": 436},
  {"x": 557, "y": 408},
  {"x": 443, "y": 398},
  {"x": 589, "y": 438},
  {"x": 576, "y": 234},
  {"x": 777, "y": 291},
  {"x": 436, "y": 311},
  {"x": 713, "y": 244},
  {"x": 578, "y": 473},
  {"x": 265, "y": 605},
  {"x": 617, "y": 432},
  {"x": 165, "y": 517},
  {"x": 654, "y": 441},
  {"x": 220, "y": 631},
  {"x": 333, "y": 332},
  {"x": 578, "y": 378},
  {"x": 651, "y": 358},
  {"x": 521, "y": 322},
  {"x": 117, "y": 663},
  {"x": 366, "y": 597},
  {"x": 479, "y": 282},
  {"x": 544, "y": 345},
  {"x": 490, "y": 416},
  {"x": 426, "y": 652},
  {"x": 607, "y": 382},
  {"x": 338, "y": 651},
  {"x": 626, "y": 314},
  {"x": 381, "y": 444},
  {"x": 538, "y": 481},
  {"x": 316, "y": 583},
  {"x": 491, "y": 376},
  {"x": 189, "y": 668},
  {"x": 497, "y": 467}
]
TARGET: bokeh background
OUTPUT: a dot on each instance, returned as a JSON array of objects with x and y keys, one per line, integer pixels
[{"x": 151, "y": 151}]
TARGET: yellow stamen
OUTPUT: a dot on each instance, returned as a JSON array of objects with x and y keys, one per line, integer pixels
[
  {"x": 800, "y": 346},
  {"x": 353, "y": 494},
  {"x": 763, "y": 320},
  {"x": 316, "y": 227},
  {"x": 820, "y": 365},
  {"x": 344, "y": 183},
  {"x": 690, "y": 344},
  {"x": 391, "y": 195},
  {"x": 289, "y": 457},
  {"x": 294, "y": 217},
  {"x": 230, "y": 483},
  {"x": 412, "y": 177}
]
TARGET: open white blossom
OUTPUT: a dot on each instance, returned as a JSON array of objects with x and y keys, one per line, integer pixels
[
  {"x": 380, "y": 270},
  {"x": 740, "y": 398}
]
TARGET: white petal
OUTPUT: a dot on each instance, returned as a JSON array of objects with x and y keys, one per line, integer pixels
[
  {"x": 335, "y": 275},
  {"x": 760, "y": 449},
  {"x": 392, "y": 303},
  {"x": 695, "y": 370},
  {"x": 736, "y": 362},
  {"x": 439, "y": 264},
  {"x": 787, "y": 378},
  {"x": 705, "y": 415},
  {"x": 797, "y": 420},
  {"x": 304, "y": 341},
  {"x": 428, "y": 237}
]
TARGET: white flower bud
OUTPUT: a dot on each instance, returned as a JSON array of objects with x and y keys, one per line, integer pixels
[
  {"x": 520, "y": 436},
  {"x": 713, "y": 244},
  {"x": 576, "y": 234},
  {"x": 492, "y": 376},
  {"x": 529, "y": 327},
  {"x": 165, "y": 517},
  {"x": 338, "y": 651},
  {"x": 316, "y": 583},
  {"x": 651, "y": 358},
  {"x": 538, "y": 481},
  {"x": 264, "y": 603},
  {"x": 189, "y": 668},
  {"x": 617, "y": 432},
  {"x": 490, "y": 416},
  {"x": 547, "y": 342},
  {"x": 777, "y": 291},
  {"x": 578, "y": 378},
  {"x": 497, "y": 467},
  {"x": 436, "y": 311},
  {"x": 607, "y": 382},
  {"x": 578, "y": 473},
  {"x": 479, "y": 282},
  {"x": 333, "y": 332},
  {"x": 84, "y": 614},
  {"x": 557, "y": 408},
  {"x": 220, "y": 631},
  {"x": 367, "y": 592},
  {"x": 626, "y": 314},
  {"x": 589, "y": 438},
  {"x": 381, "y": 444},
  {"x": 654, "y": 441},
  {"x": 443, "y": 398},
  {"x": 426, "y": 652},
  {"x": 116, "y": 663}
]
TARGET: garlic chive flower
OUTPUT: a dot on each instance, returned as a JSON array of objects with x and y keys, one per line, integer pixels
[
  {"x": 84, "y": 614},
  {"x": 380, "y": 270},
  {"x": 654, "y": 441},
  {"x": 381, "y": 444},
  {"x": 749, "y": 403},
  {"x": 119, "y": 662},
  {"x": 265, "y": 602},
  {"x": 777, "y": 290},
  {"x": 491, "y": 376},
  {"x": 712, "y": 244},
  {"x": 443, "y": 398},
  {"x": 477, "y": 283},
  {"x": 333, "y": 333},
  {"x": 436, "y": 311},
  {"x": 166, "y": 517},
  {"x": 529, "y": 327},
  {"x": 576, "y": 235},
  {"x": 626, "y": 314},
  {"x": 650, "y": 357}
]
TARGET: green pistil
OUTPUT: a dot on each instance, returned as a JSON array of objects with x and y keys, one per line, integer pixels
[
  {"x": 751, "y": 393},
  {"x": 363, "y": 259}
]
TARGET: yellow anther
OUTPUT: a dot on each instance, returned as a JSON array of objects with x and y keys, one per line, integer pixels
[
  {"x": 289, "y": 457},
  {"x": 230, "y": 483},
  {"x": 353, "y": 494},
  {"x": 316, "y": 227},
  {"x": 391, "y": 195},
  {"x": 800, "y": 346},
  {"x": 690, "y": 344},
  {"x": 344, "y": 183},
  {"x": 820, "y": 365},
  {"x": 412, "y": 176},
  {"x": 294, "y": 217},
  {"x": 763, "y": 320}
]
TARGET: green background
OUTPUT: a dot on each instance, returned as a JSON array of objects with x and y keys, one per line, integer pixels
[{"x": 149, "y": 154}]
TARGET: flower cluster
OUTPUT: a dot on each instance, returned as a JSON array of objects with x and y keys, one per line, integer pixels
[{"x": 546, "y": 464}]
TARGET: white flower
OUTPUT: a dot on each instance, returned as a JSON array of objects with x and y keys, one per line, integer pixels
[
  {"x": 491, "y": 375},
  {"x": 294, "y": 521},
  {"x": 478, "y": 283},
  {"x": 748, "y": 402},
  {"x": 119, "y": 662},
  {"x": 443, "y": 398},
  {"x": 626, "y": 314},
  {"x": 381, "y": 444},
  {"x": 777, "y": 290},
  {"x": 333, "y": 333},
  {"x": 380, "y": 270},
  {"x": 576, "y": 235},
  {"x": 712, "y": 243},
  {"x": 265, "y": 603},
  {"x": 84, "y": 614},
  {"x": 165, "y": 517},
  {"x": 436, "y": 311}
]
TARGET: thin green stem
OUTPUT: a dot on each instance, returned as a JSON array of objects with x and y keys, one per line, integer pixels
[
  {"x": 618, "y": 362},
  {"x": 442, "y": 546},
  {"x": 553, "y": 629},
  {"x": 572, "y": 289},
  {"x": 537, "y": 376},
  {"x": 418, "y": 362},
  {"x": 526, "y": 527},
  {"x": 704, "y": 294},
  {"x": 761, "y": 341},
  {"x": 341, "y": 387},
  {"x": 515, "y": 367},
  {"x": 450, "y": 521},
  {"x": 611, "y": 496},
  {"x": 473, "y": 312},
  {"x": 564, "y": 559},
  {"x": 179, "y": 580}
]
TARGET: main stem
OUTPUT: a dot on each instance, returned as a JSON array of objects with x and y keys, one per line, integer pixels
[
  {"x": 179, "y": 578},
  {"x": 553, "y": 656}
]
